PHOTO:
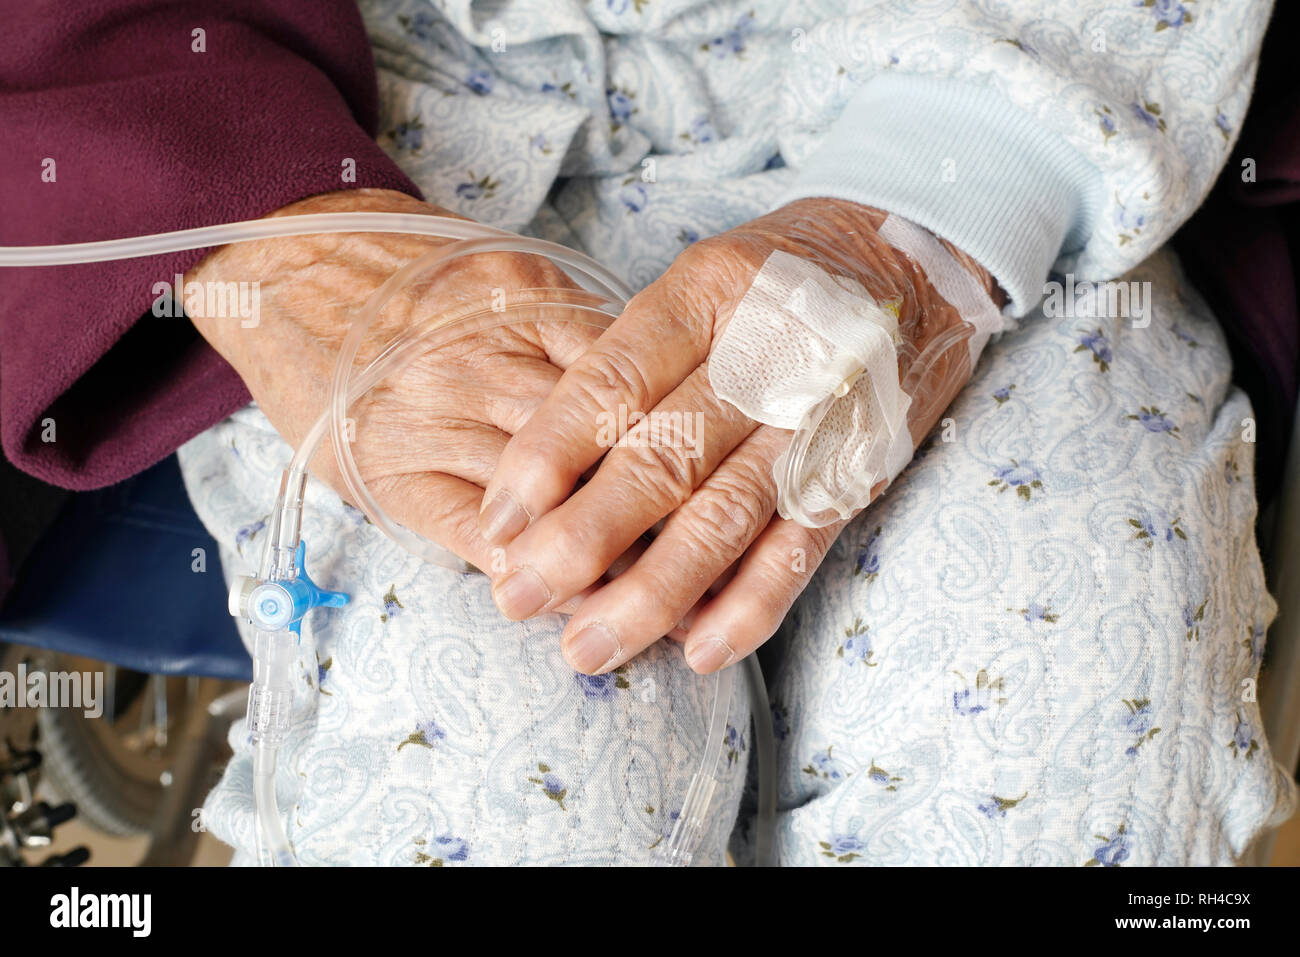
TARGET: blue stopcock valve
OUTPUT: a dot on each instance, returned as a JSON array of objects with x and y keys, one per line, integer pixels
[{"x": 282, "y": 604}]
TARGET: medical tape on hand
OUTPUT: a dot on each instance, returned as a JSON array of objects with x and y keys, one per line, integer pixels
[
  {"x": 814, "y": 352},
  {"x": 802, "y": 343},
  {"x": 949, "y": 278}
]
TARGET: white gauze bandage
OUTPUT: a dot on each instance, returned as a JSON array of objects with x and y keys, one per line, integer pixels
[{"x": 815, "y": 353}]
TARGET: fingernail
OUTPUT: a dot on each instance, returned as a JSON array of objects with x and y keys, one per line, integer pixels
[
  {"x": 503, "y": 518},
  {"x": 521, "y": 594},
  {"x": 708, "y": 655},
  {"x": 593, "y": 650}
]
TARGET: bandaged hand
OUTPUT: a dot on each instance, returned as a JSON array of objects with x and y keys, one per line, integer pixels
[
  {"x": 427, "y": 439},
  {"x": 677, "y": 461}
]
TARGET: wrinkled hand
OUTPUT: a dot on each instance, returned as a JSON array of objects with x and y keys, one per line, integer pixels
[
  {"x": 427, "y": 439},
  {"x": 715, "y": 494}
]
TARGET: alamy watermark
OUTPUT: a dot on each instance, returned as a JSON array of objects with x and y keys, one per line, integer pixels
[
  {"x": 657, "y": 429},
  {"x": 213, "y": 300},
  {"x": 53, "y": 689},
  {"x": 74, "y": 909},
  {"x": 1098, "y": 300}
]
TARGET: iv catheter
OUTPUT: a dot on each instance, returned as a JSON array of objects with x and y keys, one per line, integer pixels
[{"x": 278, "y": 599}]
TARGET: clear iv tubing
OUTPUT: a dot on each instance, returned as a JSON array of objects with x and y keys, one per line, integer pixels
[{"x": 270, "y": 698}]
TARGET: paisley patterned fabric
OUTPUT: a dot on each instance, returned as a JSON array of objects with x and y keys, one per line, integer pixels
[
  {"x": 680, "y": 114},
  {"x": 1039, "y": 648},
  {"x": 430, "y": 730}
]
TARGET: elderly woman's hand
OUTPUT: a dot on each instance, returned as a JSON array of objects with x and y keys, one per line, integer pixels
[
  {"x": 427, "y": 439},
  {"x": 715, "y": 496}
]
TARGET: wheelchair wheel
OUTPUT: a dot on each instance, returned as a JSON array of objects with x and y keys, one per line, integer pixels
[{"x": 115, "y": 767}]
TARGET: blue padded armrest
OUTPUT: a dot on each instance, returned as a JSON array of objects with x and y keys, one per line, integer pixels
[{"x": 114, "y": 579}]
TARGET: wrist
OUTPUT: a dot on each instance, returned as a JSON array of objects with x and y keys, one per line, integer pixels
[
  {"x": 304, "y": 289},
  {"x": 846, "y": 237},
  {"x": 859, "y": 225},
  {"x": 305, "y": 280}
]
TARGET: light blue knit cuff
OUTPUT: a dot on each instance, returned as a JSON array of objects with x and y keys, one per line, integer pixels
[{"x": 962, "y": 161}]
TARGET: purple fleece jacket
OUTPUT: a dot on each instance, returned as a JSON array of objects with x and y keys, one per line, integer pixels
[{"x": 147, "y": 134}]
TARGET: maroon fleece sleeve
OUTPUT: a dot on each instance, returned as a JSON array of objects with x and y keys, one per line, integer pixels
[{"x": 145, "y": 129}]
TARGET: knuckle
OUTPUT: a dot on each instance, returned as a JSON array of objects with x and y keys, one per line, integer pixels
[
  {"x": 668, "y": 473},
  {"x": 748, "y": 479},
  {"x": 728, "y": 518},
  {"x": 710, "y": 276},
  {"x": 610, "y": 378},
  {"x": 699, "y": 253},
  {"x": 547, "y": 452},
  {"x": 723, "y": 259}
]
